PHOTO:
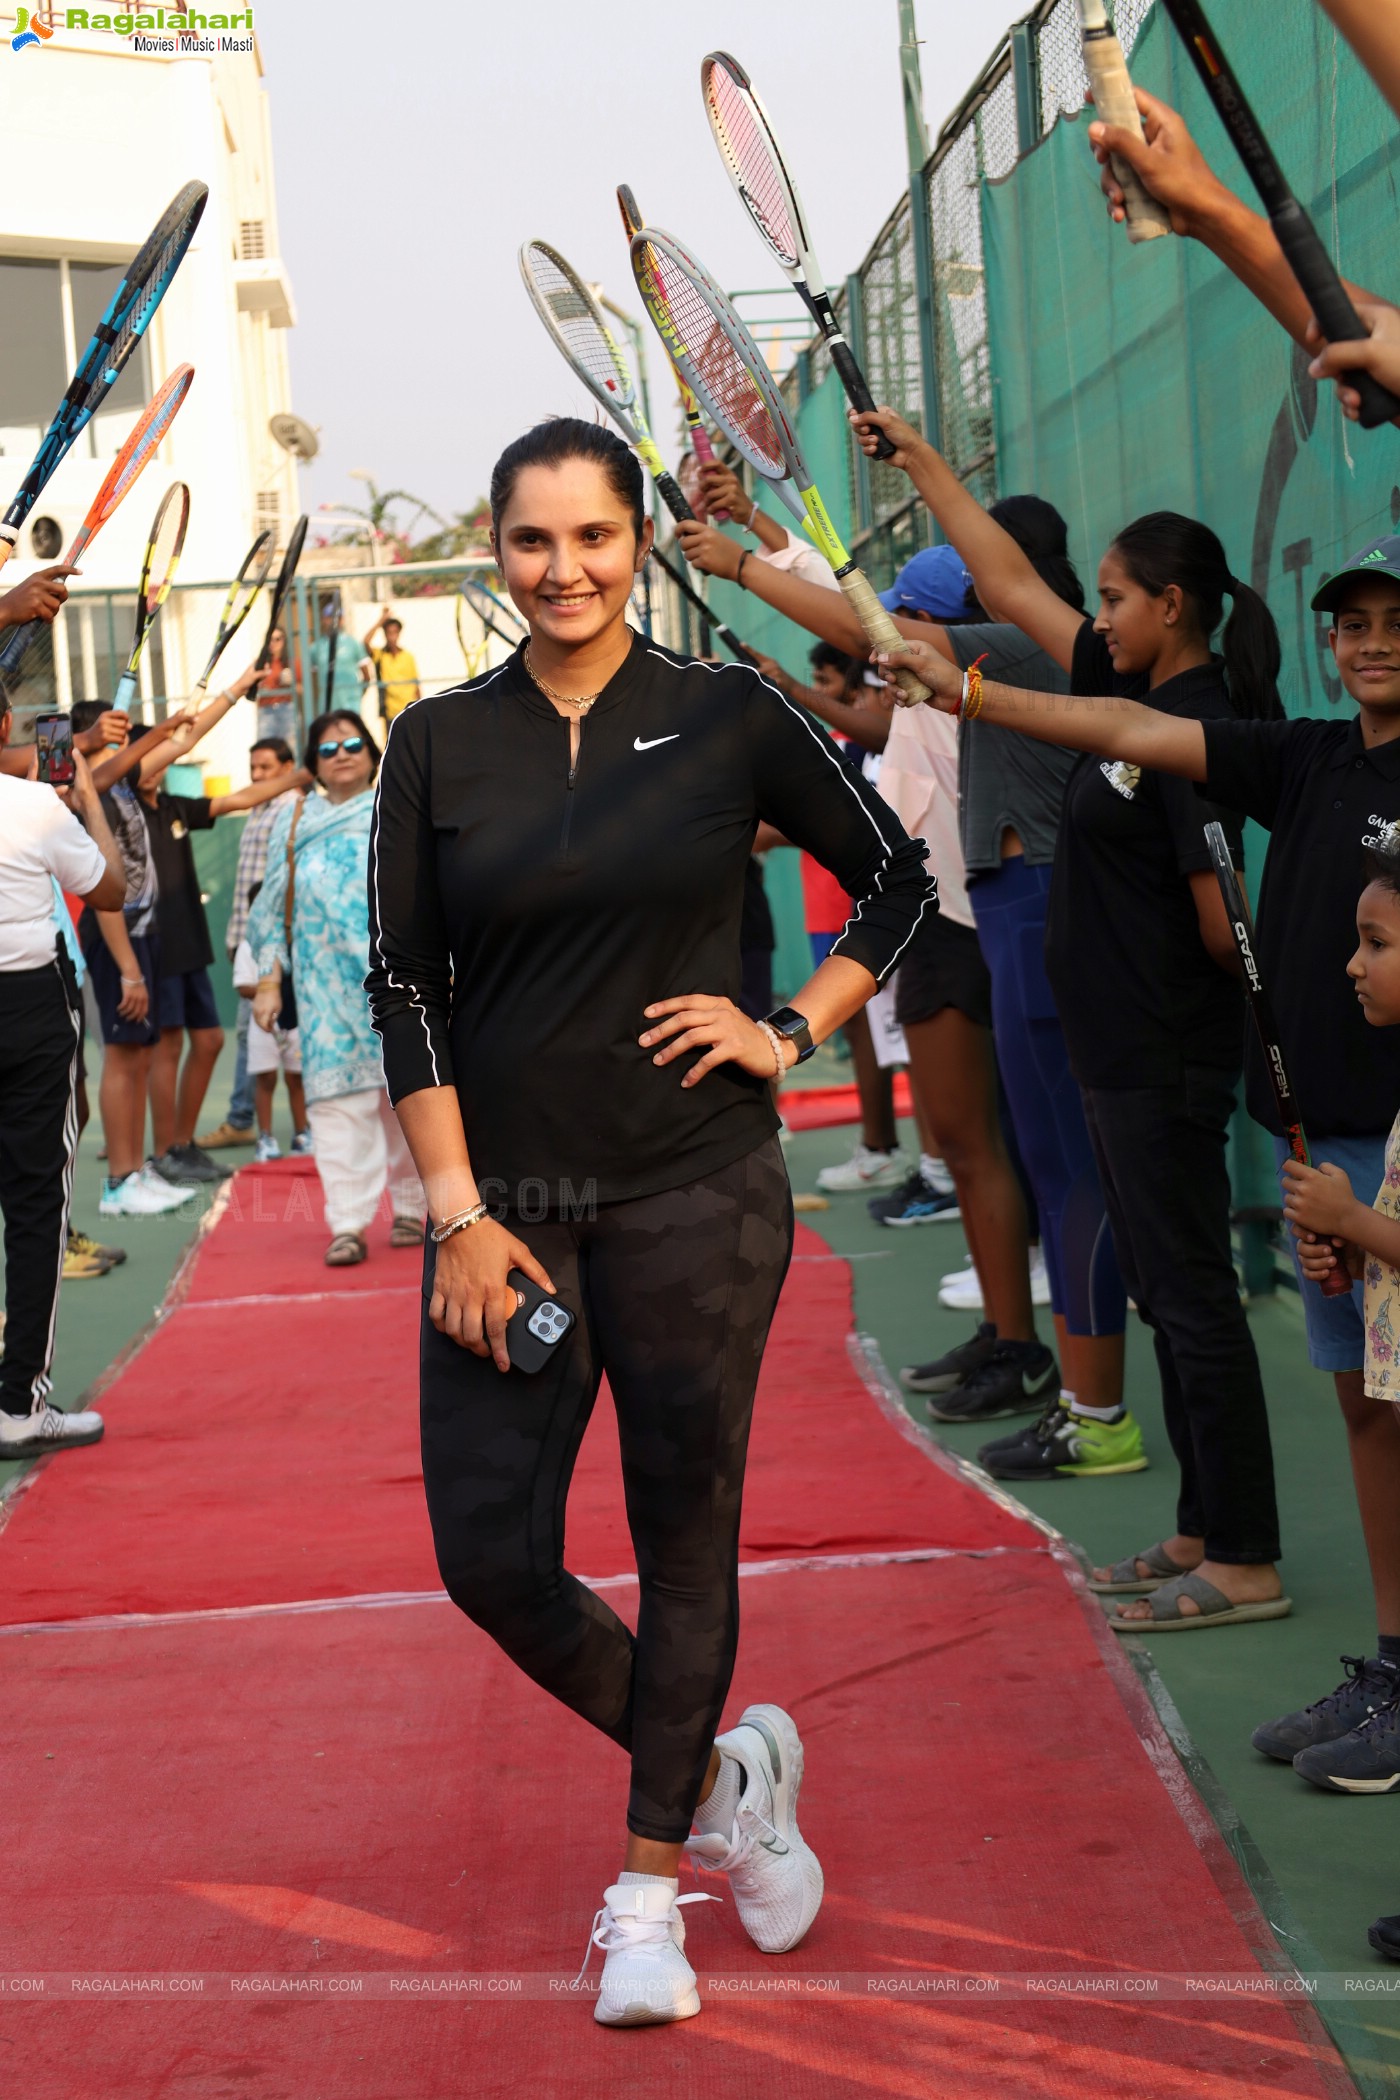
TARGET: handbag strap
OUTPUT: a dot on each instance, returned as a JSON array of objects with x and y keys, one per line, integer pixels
[{"x": 291, "y": 874}]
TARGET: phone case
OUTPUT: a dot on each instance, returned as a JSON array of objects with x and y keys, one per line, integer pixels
[{"x": 535, "y": 1331}]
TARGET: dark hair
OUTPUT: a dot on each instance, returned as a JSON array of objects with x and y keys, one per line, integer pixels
[
  {"x": 1381, "y": 864},
  {"x": 85, "y": 713},
  {"x": 323, "y": 722},
  {"x": 278, "y": 746},
  {"x": 1043, "y": 537},
  {"x": 825, "y": 656},
  {"x": 561, "y": 438},
  {"x": 1164, "y": 548}
]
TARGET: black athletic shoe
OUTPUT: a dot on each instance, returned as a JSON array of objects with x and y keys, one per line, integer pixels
[
  {"x": 1384, "y": 1936},
  {"x": 1017, "y": 1441},
  {"x": 1017, "y": 1378},
  {"x": 1368, "y": 1685},
  {"x": 1365, "y": 1761},
  {"x": 917, "y": 1201},
  {"x": 181, "y": 1164},
  {"x": 945, "y": 1372}
]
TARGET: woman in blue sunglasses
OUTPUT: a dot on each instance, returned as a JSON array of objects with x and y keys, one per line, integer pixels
[{"x": 309, "y": 932}]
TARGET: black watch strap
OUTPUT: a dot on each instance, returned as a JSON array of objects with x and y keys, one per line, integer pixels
[{"x": 793, "y": 1027}]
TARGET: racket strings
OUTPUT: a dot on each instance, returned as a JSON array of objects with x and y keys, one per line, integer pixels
[
  {"x": 575, "y": 320},
  {"x": 694, "y": 327},
  {"x": 167, "y": 539},
  {"x": 745, "y": 142},
  {"x": 139, "y": 448}
]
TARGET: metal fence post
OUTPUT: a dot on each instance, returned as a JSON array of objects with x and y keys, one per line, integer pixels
[
  {"x": 1025, "y": 74},
  {"x": 855, "y": 336},
  {"x": 916, "y": 139}
]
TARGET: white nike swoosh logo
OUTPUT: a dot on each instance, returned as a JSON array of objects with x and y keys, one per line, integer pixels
[{"x": 652, "y": 742}]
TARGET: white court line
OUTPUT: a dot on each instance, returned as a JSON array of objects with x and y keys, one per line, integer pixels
[
  {"x": 387, "y": 1600},
  {"x": 379, "y": 1290}
]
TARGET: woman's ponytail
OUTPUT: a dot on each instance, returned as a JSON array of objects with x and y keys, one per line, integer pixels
[{"x": 1165, "y": 548}]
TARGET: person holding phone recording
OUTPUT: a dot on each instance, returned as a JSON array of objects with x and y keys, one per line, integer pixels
[{"x": 556, "y": 879}]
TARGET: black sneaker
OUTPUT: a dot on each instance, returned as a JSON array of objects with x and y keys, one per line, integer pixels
[
  {"x": 1368, "y": 1685},
  {"x": 917, "y": 1201},
  {"x": 1364, "y": 1761},
  {"x": 182, "y": 1164},
  {"x": 947, "y": 1371},
  {"x": 1019, "y": 1441},
  {"x": 1018, "y": 1377},
  {"x": 1384, "y": 1936}
]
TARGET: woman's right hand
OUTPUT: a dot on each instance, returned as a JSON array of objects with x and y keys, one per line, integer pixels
[
  {"x": 870, "y": 425},
  {"x": 944, "y": 680},
  {"x": 471, "y": 1299}
]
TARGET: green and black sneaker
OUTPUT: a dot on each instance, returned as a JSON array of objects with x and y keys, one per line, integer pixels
[{"x": 1064, "y": 1442}]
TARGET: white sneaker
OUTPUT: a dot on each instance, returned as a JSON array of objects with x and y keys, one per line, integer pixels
[
  {"x": 153, "y": 1180},
  {"x": 47, "y": 1429},
  {"x": 136, "y": 1197},
  {"x": 267, "y": 1147},
  {"x": 961, "y": 1292},
  {"x": 646, "y": 1977},
  {"x": 774, "y": 1875},
  {"x": 865, "y": 1169}
]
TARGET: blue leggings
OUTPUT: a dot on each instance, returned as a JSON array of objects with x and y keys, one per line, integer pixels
[{"x": 1086, "y": 1288}]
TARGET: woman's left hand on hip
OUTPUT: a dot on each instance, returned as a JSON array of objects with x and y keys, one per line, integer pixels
[{"x": 700, "y": 1021}]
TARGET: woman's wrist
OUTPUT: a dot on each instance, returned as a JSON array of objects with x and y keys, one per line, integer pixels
[{"x": 739, "y": 570}]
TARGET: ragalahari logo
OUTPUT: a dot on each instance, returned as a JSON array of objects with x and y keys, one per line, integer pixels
[{"x": 29, "y": 29}]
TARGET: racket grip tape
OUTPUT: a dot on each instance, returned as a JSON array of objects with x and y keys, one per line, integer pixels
[
  {"x": 1115, "y": 103},
  {"x": 16, "y": 647},
  {"x": 669, "y": 490},
  {"x": 1325, "y": 293},
  {"x": 857, "y": 392},
  {"x": 882, "y": 632}
]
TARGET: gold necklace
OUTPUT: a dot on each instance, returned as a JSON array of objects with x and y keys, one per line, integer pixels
[{"x": 564, "y": 699}]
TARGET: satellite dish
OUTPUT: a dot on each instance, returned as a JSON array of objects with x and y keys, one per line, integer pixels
[{"x": 295, "y": 437}]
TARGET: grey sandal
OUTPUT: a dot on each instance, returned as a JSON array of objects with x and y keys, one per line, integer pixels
[
  {"x": 1124, "y": 1580},
  {"x": 1215, "y": 1608},
  {"x": 347, "y": 1250}
]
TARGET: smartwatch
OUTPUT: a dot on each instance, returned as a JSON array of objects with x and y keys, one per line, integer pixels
[{"x": 792, "y": 1026}]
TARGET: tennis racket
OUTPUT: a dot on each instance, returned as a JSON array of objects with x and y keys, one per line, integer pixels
[
  {"x": 280, "y": 589},
  {"x": 575, "y": 321},
  {"x": 633, "y": 222},
  {"x": 121, "y": 328},
  {"x": 723, "y": 367},
  {"x": 727, "y": 635},
  {"x": 1115, "y": 102},
  {"x": 239, "y": 602},
  {"x": 158, "y": 566},
  {"x": 474, "y": 652},
  {"x": 1261, "y": 1010},
  {"x": 138, "y": 452},
  {"x": 1309, "y": 261},
  {"x": 501, "y": 619},
  {"x": 754, "y": 162}
]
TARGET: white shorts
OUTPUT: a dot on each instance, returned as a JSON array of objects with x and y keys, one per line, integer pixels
[{"x": 277, "y": 1050}]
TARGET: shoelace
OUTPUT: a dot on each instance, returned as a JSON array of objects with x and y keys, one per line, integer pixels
[
  {"x": 715, "y": 1854},
  {"x": 1358, "y": 1669},
  {"x": 608, "y": 1931}
]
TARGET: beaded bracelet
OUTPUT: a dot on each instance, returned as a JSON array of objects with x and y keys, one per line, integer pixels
[
  {"x": 775, "y": 1042},
  {"x": 970, "y": 706},
  {"x": 458, "y": 1222}
]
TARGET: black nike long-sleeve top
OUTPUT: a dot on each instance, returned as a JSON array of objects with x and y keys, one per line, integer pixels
[{"x": 523, "y": 911}]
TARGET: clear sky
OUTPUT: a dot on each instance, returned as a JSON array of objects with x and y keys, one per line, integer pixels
[{"x": 416, "y": 146}]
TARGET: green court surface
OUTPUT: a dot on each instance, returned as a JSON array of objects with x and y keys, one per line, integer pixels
[{"x": 1322, "y": 1865}]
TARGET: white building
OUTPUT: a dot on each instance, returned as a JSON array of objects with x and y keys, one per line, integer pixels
[{"x": 99, "y": 136}]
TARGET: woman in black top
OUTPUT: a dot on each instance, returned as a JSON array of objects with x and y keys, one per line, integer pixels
[
  {"x": 556, "y": 877},
  {"x": 1143, "y": 967}
]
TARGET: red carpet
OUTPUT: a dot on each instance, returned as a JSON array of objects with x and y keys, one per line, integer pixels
[
  {"x": 263, "y": 1452},
  {"x": 227, "y": 1822},
  {"x": 820, "y": 1107}
]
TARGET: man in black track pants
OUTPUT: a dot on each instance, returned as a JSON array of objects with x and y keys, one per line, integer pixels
[{"x": 42, "y": 844}]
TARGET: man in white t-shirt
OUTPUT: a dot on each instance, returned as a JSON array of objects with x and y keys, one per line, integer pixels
[{"x": 41, "y": 843}]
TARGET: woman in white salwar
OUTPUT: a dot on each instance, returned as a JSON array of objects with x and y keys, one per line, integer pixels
[{"x": 311, "y": 921}]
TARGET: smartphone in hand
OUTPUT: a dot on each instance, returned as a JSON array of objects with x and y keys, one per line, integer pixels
[
  {"x": 53, "y": 735},
  {"x": 538, "y": 1326}
]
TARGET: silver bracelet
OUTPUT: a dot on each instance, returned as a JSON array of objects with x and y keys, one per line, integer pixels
[
  {"x": 458, "y": 1222},
  {"x": 753, "y": 513},
  {"x": 776, "y": 1043}
]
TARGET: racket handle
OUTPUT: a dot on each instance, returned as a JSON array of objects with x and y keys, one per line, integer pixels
[
  {"x": 705, "y": 453},
  {"x": 15, "y": 647},
  {"x": 1116, "y": 104},
  {"x": 1327, "y": 296},
  {"x": 125, "y": 693},
  {"x": 881, "y": 630},
  {"x": 857, "y": 392},
  {"x": 669, "y": 490}
]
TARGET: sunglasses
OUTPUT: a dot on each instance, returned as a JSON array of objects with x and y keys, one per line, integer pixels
[{"x": 351, "y": 745}]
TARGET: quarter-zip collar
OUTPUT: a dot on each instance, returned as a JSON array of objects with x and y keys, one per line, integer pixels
[{"x": 613, "y": 695}]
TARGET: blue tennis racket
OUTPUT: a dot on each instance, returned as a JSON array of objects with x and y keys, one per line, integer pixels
[{"x": 121, "y": 328}]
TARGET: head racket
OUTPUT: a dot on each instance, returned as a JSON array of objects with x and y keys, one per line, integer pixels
[
  {"x": 158, "y": 566},
  {"x": 242, "y": 593}
]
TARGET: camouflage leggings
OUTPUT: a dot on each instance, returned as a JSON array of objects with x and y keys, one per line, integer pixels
[{"x": 674, "y": 1295}]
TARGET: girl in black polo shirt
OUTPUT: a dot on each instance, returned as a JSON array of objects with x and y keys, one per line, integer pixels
[
  {"x": 556, "y": 881},
  {"x": 1142, "y": 964}
]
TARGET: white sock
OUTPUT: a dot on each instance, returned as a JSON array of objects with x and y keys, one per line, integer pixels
[
  {"x": 718, "y": 1810},
  {"x": 934, "y": 1170},
  {"x": 627, "y": 1880},
  {"x": 1098, "y": 1414}
]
